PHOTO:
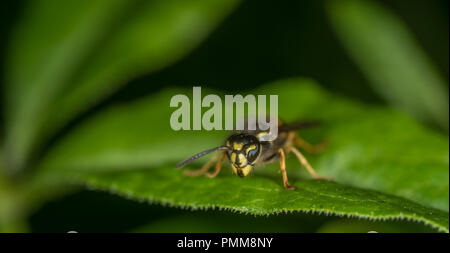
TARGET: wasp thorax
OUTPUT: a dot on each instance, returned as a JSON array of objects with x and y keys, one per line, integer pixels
[{"x": 244, "y": 150}]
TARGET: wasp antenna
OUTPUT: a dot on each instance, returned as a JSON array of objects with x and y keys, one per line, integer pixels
[{"x": 194, "y": 157}]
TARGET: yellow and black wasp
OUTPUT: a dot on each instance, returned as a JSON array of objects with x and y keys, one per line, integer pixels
[{"x": 245, "y": 151}]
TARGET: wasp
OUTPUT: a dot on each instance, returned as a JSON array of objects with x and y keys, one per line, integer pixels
[{"x": 245, "y": 151}]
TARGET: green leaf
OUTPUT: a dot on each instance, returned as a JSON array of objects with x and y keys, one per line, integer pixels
[
  {"x": 392, "y": 60},
  {"x": 370, "y": 147},
  {"x": 227, "y": 222},
  {"x": 261, "y": 195},
  {"x": 92, "y": 48},
  {"x": 364, "y": 226}
]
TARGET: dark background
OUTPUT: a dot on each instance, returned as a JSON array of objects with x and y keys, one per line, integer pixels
[{"x": 259, "y": 42}]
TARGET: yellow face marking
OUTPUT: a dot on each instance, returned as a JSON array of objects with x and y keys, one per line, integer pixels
[
  {"x": 234, "y": 168},
  {"x": 233, "y": 157},
  {"x": 237, "y": 146},
  {"x": 242, "y": 172},
  {"x": 250, "y": 148},
  {"x": 242, "y": 159},
  {"x": 246, "y": 170}
]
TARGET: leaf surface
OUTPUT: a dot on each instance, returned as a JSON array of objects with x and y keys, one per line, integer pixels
[{"x": 261, "y": 195}]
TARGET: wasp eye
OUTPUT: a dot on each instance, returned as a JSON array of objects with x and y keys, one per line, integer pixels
[{"x": 252, "y": 154}]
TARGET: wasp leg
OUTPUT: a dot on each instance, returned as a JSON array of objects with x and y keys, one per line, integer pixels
[
  {"x": 305, "y": 163},
  {"x": 308, "y": 147},
  {"x": 218, "y": 167},
  {"x": 203, "y": 169},
  {"x": 283, "y": 169}
]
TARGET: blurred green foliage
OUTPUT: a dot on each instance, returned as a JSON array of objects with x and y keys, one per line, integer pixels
[
  {"x": 390, "y": 57},
  {"x": 94, "y": 48},
  {"x": 64, "y": 63}
]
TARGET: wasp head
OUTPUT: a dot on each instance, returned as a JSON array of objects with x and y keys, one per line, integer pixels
[{"x": 243, "y": 152}]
